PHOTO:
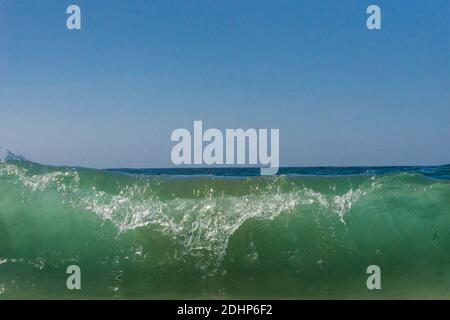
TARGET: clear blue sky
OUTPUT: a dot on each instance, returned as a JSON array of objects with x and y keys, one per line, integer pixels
[{"x": 110, "y": 94}]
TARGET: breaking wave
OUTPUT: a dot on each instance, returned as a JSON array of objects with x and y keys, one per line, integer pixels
[{"x": 152, "y": 236}]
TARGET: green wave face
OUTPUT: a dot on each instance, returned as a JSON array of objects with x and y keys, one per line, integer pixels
[{"x": 210, "y": 237}]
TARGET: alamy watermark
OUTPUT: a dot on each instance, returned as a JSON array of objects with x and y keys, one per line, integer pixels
[
  {"x": 233, "y": 147},
  {"x": 374, "y": 280},
  {"x": 73, "y": 21},
  {"x": 373, "y": 22},
  {"x": 74, "y": 280}
]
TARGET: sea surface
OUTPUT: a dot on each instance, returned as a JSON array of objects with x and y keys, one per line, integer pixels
[{"x": 224, "y": 233}]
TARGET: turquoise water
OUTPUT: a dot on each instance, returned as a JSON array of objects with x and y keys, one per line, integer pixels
[{"x": 306, "y": 233}]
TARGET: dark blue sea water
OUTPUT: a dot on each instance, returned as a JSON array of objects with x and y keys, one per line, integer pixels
[{"x": 437, "y": 172}]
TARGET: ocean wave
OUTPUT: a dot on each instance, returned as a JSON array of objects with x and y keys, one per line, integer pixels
[{"x": 190, "y": 225}]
